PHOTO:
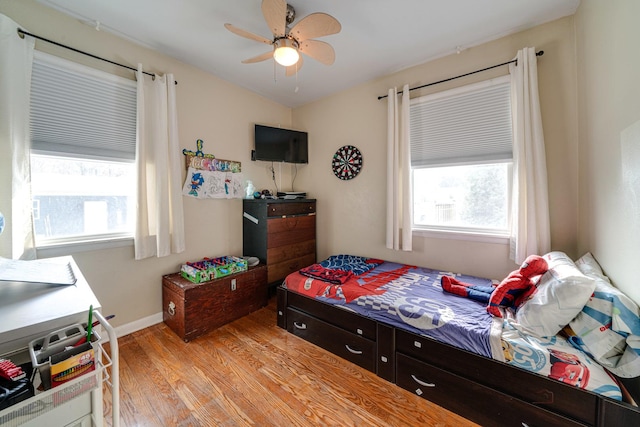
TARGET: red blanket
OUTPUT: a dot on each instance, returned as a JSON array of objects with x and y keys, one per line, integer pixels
[{"x": 352, "y": 288}]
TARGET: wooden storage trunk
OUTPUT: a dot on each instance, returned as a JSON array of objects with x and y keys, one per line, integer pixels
[{"x": 193, "y": 309}]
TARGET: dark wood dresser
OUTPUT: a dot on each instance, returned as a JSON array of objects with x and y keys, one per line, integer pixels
[
  {"x": 193, "y": 309},
  {"x": 281, "y": 233}
]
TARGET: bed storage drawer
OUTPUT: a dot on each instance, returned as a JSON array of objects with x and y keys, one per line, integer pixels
[
  {"x": 351, "y": 347},
  {"x": 530, "y": 387},
  {"x": 613, "y": 413},
  {"x": 344, "y": 319},
  {"x": 470, "y": 399}
]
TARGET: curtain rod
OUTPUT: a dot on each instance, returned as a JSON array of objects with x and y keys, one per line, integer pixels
[
  {"x": 464, "y": 75},
  {"x": 22, "y": 33}
]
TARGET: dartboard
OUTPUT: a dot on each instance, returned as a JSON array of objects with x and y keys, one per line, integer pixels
[{"x": 347, "y": 162}]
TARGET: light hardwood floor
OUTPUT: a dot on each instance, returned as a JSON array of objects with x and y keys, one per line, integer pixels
[{"x": 251, "y": 372}]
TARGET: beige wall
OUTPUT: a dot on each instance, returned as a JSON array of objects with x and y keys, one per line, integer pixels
[
  {"x": 609, "y": 137},
  {"x": 219, "y": 113},
  {"x": 351, "y": 215}
]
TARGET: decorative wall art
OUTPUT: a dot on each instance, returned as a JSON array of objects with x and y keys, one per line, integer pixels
[{"x": 208, "y": 177}]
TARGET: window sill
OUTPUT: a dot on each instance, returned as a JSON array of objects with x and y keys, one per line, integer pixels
[
  {"x": 70, "y": 248},
  {"x": 462, "y": 235}
]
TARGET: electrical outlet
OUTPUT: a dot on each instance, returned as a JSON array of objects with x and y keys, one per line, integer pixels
[{"x": 233, "y": 284}]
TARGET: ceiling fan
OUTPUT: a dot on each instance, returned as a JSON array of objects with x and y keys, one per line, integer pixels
[{"x": 289, "y": 43}]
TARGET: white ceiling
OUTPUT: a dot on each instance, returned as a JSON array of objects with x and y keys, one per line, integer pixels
[{"x": 378, "y": 37}]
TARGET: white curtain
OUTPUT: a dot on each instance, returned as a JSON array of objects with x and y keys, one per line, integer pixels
[
  {"x": 399, "y": 198},
  {"x": 160, "y": 220},
  {"x": 16, "y": 60},
  {"x": 530, "y": 231}
]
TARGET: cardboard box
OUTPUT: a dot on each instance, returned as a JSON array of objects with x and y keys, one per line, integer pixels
[{"x": 72, "y": 363}]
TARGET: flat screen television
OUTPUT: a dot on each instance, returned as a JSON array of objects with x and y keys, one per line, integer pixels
[{"x": 280, "y": 145}]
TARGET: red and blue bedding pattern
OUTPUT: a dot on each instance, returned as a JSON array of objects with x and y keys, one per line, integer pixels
[
  {"x": 411, "y": 298},
  {"x": 407, "y": 297}
]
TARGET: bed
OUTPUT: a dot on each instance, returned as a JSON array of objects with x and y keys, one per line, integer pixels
[{"x": 395, "y": 320}]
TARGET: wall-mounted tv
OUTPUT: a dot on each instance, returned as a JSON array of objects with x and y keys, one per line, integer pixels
[{"x": 280, "y": 145}]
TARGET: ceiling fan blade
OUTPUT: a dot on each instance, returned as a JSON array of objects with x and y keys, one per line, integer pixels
[
  {"x": 275, "y": 13},
  {"x": 315, "y": 25},
  {"x": 247, "y": 34},
  {"x": 292, "y": 69},
  {"x": 259, "y": 58},
  {"x": 320, "y": 51}
]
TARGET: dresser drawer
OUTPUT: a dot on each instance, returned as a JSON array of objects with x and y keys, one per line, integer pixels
[
  {"x": 470, "y": 399},
  {"x": 293, "y": 208},
  {"x": 348, "y": 346},
  {"x": 345, "y": 320},
  {"x": 294, "y": 250},
  {"x": 286, "y": 231},
  {"x": 282, "y": 269},
  {"x": 528, "y": 386}
]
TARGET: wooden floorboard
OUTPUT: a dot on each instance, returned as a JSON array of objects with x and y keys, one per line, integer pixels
[{"x": 253, "y": 373}]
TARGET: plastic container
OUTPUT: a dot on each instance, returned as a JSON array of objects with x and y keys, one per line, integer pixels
[
  {"x": 249, "y": 189},
  {"x": 41, "y": 349}
]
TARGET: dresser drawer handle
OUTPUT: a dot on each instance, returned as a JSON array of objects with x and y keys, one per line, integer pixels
[
  {"x": 294, "y": 267},
  {"x": 352, "y": 350},
  {"x": 422, "y": 383},
  {"x": 300, "y": 325}
]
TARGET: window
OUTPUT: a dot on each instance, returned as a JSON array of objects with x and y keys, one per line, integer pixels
[
  {"x": 83, "y": 133},
  {"x": 461, "y": 159}
]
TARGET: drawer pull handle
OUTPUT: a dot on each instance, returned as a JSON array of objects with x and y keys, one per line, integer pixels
[
  {"x": 171, "y": 309},
  {"x": 300, "y": 325},
  {"x": 547, "y": 398},
  {"x": 352, "y": 350},
  {"x": 422, "y": 383}
]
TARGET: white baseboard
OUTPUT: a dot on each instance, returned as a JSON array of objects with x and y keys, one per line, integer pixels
[{"x": 137, "y": 325}]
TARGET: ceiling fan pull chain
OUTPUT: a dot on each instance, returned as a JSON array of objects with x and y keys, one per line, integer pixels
[{"x": 275, "y": 73}]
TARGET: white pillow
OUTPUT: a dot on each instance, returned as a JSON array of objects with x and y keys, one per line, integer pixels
[
  {"x": 588, "y": 266},
  {"x": 560, "y": 295}
]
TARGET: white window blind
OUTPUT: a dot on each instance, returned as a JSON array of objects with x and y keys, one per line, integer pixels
[
  {"x": 80, "y": 111},
  {"x": 470, "y": 124}
]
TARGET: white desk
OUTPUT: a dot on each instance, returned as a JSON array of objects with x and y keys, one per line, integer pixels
[{"x": 29, "y": 309}]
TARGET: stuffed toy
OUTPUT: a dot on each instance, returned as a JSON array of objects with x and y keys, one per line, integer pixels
[{"x": 511, "y": 292}]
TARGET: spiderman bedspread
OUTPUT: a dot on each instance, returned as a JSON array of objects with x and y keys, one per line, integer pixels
[{"x": 405, "y": 296}]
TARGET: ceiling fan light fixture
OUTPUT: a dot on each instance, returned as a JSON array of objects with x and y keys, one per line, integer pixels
[{"x": 286, "y": 52}]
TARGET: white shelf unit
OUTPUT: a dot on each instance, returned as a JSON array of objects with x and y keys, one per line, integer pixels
[{"x": 29, "y": 312}]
